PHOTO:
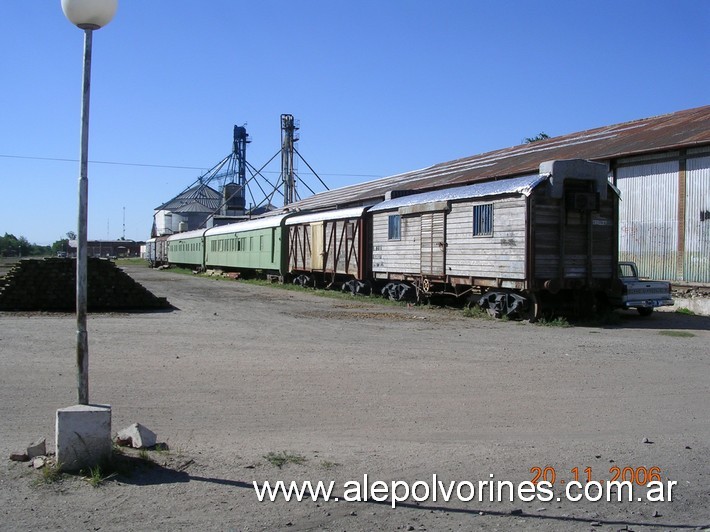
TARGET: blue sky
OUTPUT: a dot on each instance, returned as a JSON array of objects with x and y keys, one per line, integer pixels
[{"x": 380, "y": 87}]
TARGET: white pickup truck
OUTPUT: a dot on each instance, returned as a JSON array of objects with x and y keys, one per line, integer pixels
[{"x": 642, "y": 294}]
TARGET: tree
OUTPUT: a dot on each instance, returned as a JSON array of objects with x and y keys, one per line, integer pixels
[
  {"x": 11, "y": 246},
  {"x": 8, "y": 245},
  {"x": 540, "y": 136},
  {"x": 63, "y": 243},
  {"x": 60, "y": 245}
]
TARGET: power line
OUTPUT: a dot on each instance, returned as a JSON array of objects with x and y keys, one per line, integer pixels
[
  {"x": 117, "y": 163},
  {"x": 174, "y": 167}
]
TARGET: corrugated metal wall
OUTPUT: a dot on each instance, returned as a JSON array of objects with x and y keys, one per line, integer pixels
[
  {"x": 696, "y": 263},
  {"x": 648, "y": 217}
]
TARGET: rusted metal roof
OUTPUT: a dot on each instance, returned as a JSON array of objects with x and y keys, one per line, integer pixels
[{"x": 683, "y": 129}]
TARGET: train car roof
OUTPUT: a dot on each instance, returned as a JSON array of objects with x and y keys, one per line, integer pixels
[
  {"x": 249, "y": 225},
  {"x": 516, "y": 185},
  {"x": 335, "y": 214},
  {"x": 186, "y": 234}
]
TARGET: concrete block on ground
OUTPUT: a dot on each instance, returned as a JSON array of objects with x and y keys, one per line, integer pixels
[
  {"x": 136, "y": 436},
  {"x": 38, "y": 448},
  {"x": 83, "y": 436}
]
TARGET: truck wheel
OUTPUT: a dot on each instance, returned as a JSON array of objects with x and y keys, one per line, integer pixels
[{"x": 645, "y": 311}]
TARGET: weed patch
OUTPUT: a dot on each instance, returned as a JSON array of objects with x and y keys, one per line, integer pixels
[
  {"x": 50, "y": 474},
  {"x": 559, "y": 321},
  {"x": 685, "y": 311},
  {"x": 281, "y": 459},
  {"x": 677, "y": 334},
  {"x": 476, "y": 312}
]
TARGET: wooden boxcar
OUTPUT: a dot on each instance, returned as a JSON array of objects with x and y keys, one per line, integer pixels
[
  {"x": 549, "y": 237},
  {"x": 328, "y": 245}
]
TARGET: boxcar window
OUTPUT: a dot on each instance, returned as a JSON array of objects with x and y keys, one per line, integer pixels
[
  {"x": 483, "y": 220},
  {"x": 261, "y": 242},
  {"x": 394, "y": 224}
]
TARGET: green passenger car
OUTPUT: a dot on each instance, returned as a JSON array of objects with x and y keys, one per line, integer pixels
[
  {"x": 255, "y": 245},
  {"x": 187, "y": 249}
]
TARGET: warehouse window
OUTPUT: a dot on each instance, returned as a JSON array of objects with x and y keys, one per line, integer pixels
[
  {"x": 483, "y": 220},
  {"x": 394, "y": 225}
]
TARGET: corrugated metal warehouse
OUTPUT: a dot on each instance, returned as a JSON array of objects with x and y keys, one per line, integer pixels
[{"x": 661, "y": 165}]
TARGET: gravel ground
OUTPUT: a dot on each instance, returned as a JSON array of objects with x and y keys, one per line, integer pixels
[{"x": 239, "y": 371}]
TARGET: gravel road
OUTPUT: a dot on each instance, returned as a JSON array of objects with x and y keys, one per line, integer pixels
[{"x": 352, "y": 387}]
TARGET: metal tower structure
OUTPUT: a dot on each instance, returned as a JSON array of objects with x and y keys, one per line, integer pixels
[
  {"x": 235, "y": 180},
  {"x": 241, "y": 139},
  {"x": 288, "y": 174},
  {"x": 227, "y": 201}
]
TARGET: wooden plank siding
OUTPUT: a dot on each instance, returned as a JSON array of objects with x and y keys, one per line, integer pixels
[
  {"x": 341, "y": 247},
  {"x": 396, "y": 256},
  {"x": 299, "y": 248},
  {"x": 500, "y": 255},
  {"x": 336, "y": 243},
  {"x": 433, "y": 243},
  {"x": 568, "y": 242}
]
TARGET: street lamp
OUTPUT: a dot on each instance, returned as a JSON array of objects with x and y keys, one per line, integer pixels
[{"x": 89, "y": 15}]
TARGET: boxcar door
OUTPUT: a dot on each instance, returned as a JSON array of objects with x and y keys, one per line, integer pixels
[
  {"x": 433, "y": 243},
  {"x": 317, "y": 248}
]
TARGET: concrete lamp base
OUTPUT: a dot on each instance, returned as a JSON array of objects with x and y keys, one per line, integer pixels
[{"x": 83, "y": 437}]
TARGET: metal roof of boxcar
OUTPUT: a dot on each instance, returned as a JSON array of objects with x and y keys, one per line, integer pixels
[
  {"x": 683, "y": 129},
  {"x": 321, "y": 216},
  {"x": 515, "y": 185}
]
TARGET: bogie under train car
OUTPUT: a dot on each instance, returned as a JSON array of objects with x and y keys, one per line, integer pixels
[{"x": 544, "y": 240}]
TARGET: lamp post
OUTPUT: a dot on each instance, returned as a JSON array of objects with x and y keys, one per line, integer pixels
[{"x": 89, "y": 15}]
